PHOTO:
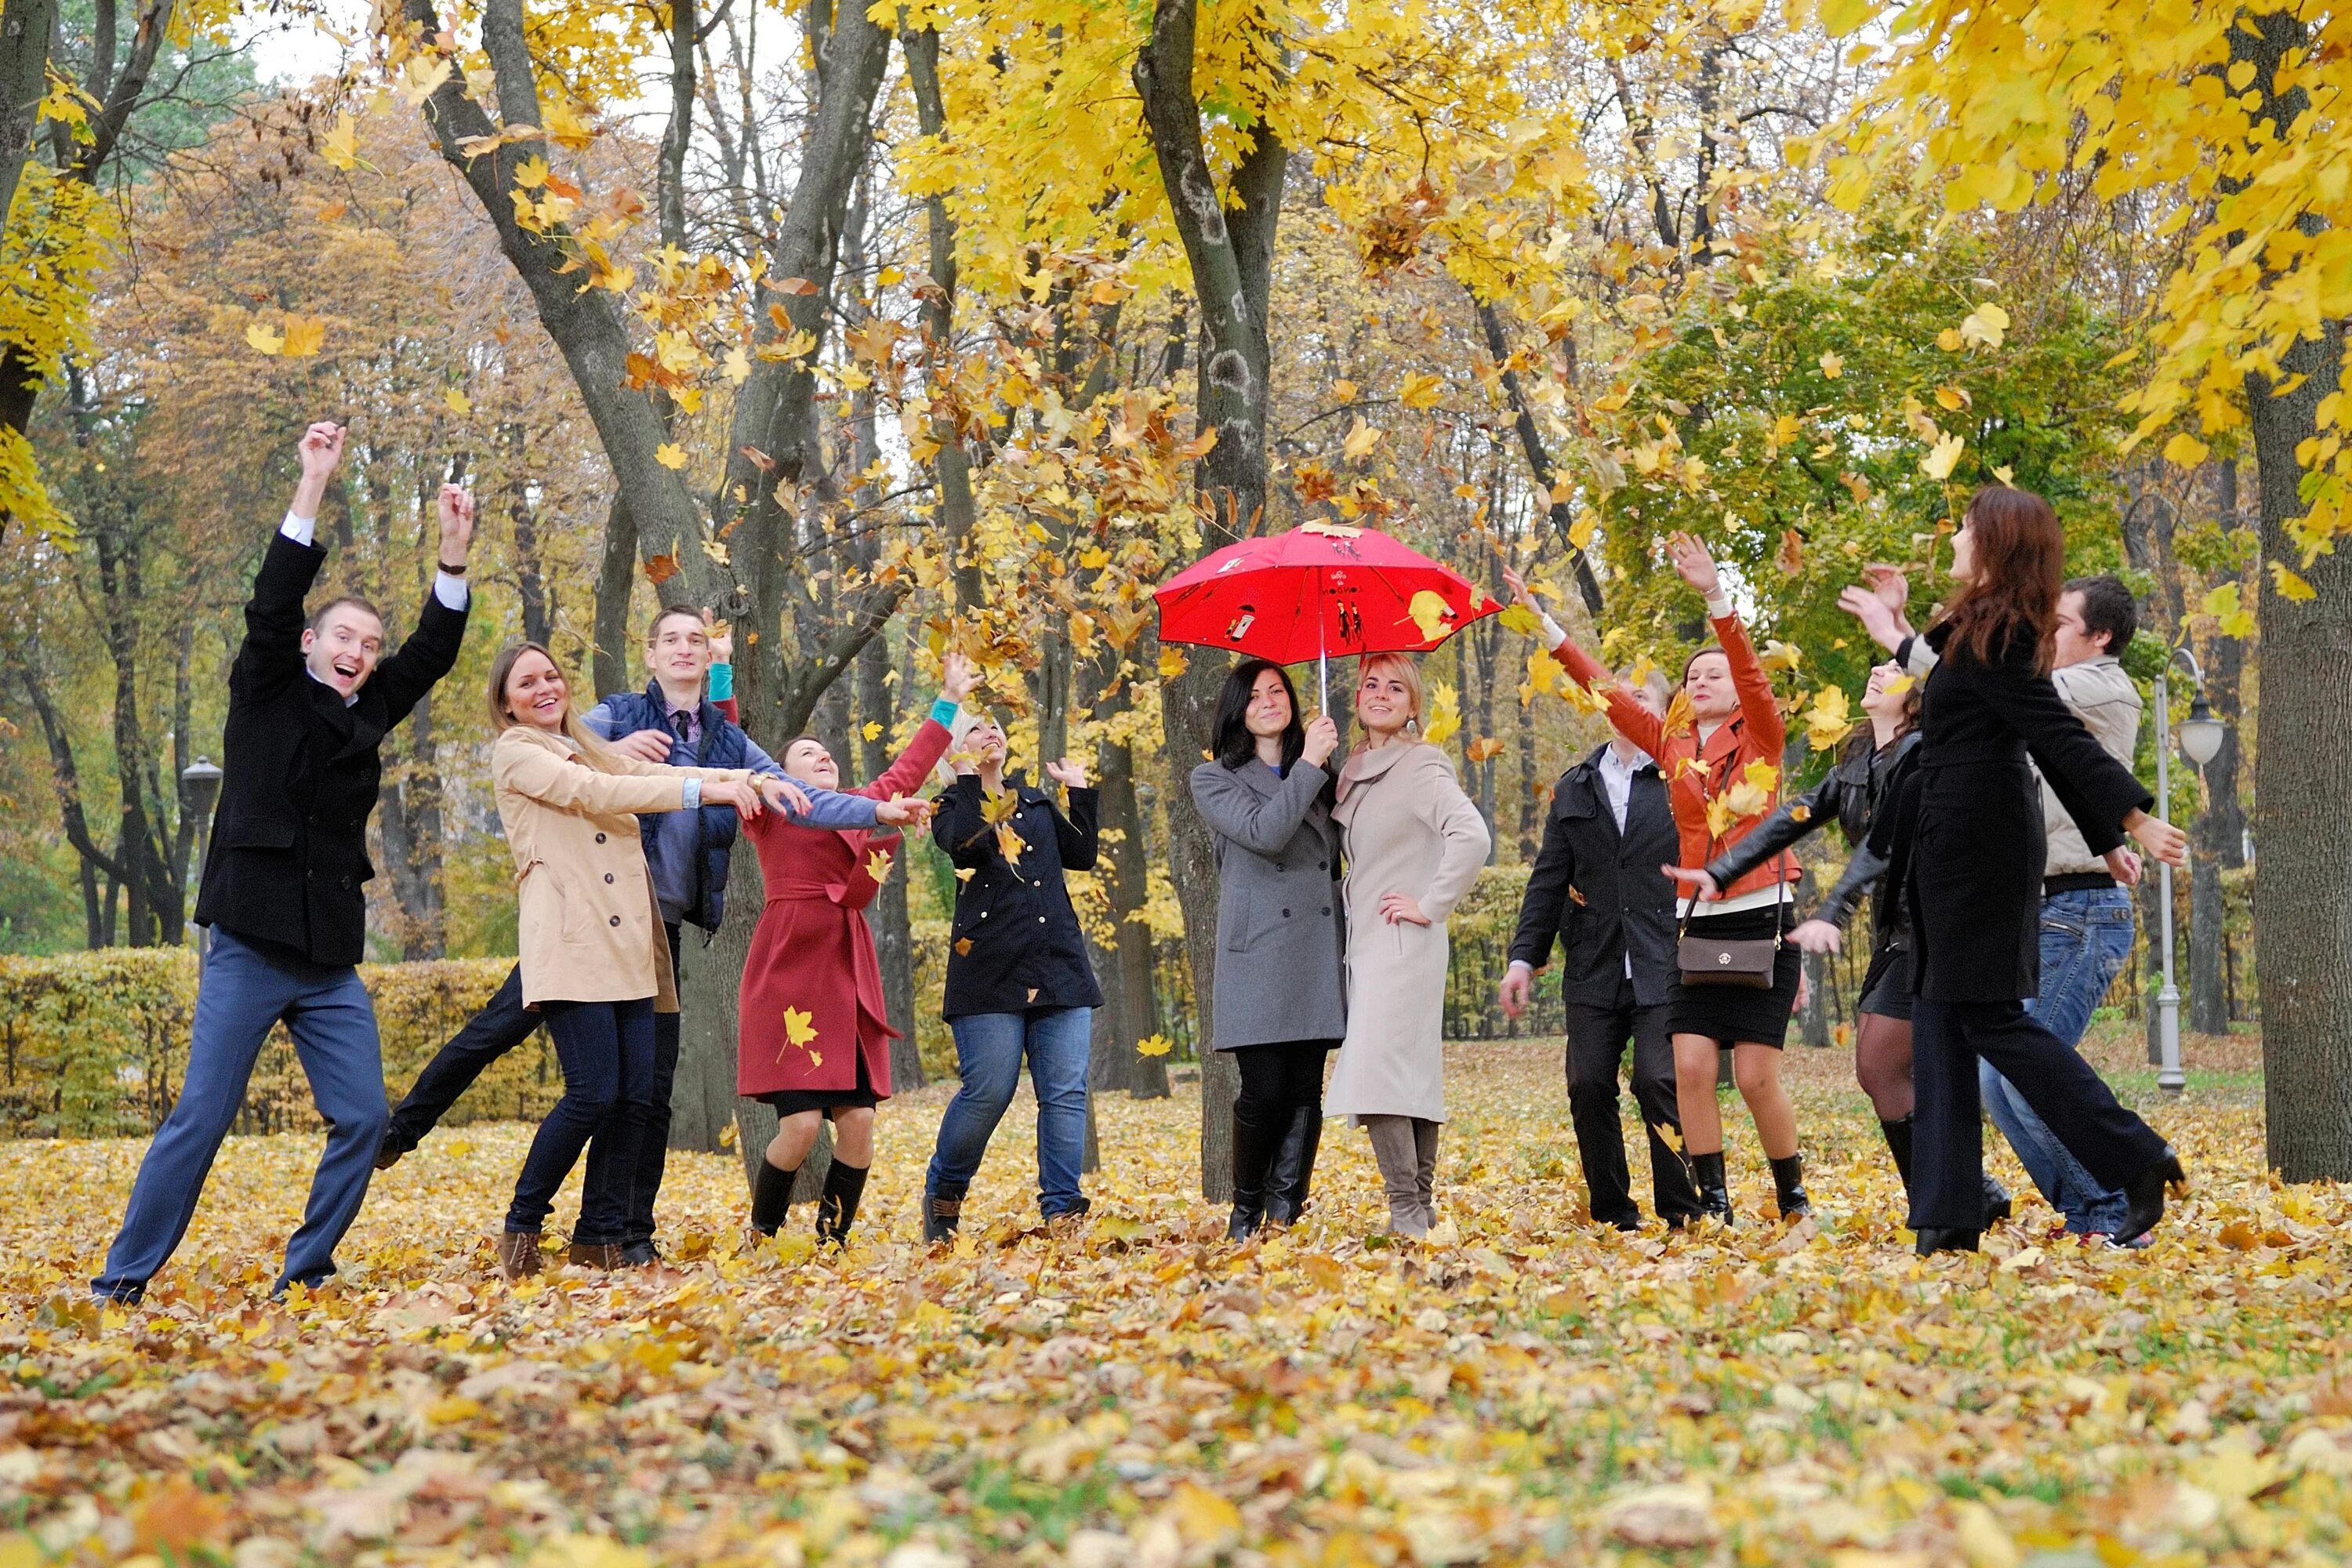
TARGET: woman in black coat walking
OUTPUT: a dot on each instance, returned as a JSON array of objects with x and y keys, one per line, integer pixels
[{"x": 1966, "y": 833}]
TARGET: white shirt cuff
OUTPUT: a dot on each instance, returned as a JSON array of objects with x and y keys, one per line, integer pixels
[
  {"x": 300, "y": 529},
  {"x": 1522, "y": 963},
  {"x": 450, "y": 591},
  {"x": 692, "y": 796},
  {"x": 1719, "y": 605},
  {"x": 1553, "y": 635}
]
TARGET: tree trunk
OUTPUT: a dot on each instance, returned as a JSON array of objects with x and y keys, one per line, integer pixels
[
  {"x": 1133, "y": 1015},
  {"x": 616, "y": 580},
  {"x": 2303, "y": 923},
  {"x": 894, "y": 942},
  {"x": 413, "y": 841},
  {"x": 1229, "y": 245},
  {"x": 952, "y": 466},
  {"x": 1540, "y": 463},
  {"x": 24, "y": 29}
]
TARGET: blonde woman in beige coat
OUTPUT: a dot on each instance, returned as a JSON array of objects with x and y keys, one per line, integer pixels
[
  {"x": 1415, "y": 844},
  {"x": 595, "y": 958}
]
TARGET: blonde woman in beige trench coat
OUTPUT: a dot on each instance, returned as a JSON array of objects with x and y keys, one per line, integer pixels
[{"x": 1415, "y": 844}]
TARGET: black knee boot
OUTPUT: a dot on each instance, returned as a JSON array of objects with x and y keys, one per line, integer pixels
[
  {"x": 1714, "y": 1195},
  {"x": 1788, "y": 1183},
  {"x": 1255, "y": 1145},
  {"x": 771, "y": 1196},
  {"x": 837, "y": 1210},
  {"x": 1899, "y": 1143},
  {"x": 1293, "y": 1166}
]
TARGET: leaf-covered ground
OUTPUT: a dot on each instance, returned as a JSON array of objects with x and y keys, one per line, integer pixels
[{"x": 1140, "y": 1393}]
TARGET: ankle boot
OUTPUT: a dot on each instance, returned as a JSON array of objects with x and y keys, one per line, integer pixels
[
  {"x": 2145, "y": 1194},
  {"x": 1293, "y": 1166},
  {"x": 594, "y": 1255},
  {"x": 1789, "y": 1181},
  {"x": 1997, "y": 1203},
  {"x": 942, "y": 1216},
  {"x": 518, "y": 1254},
  {"x": 1937, "y": 1238},
  {"x": 1714, "y": 1196},
  {"x": 1899, "y": 1143},
  {"x": 772, "y": 1197},
  {"x": 837, "y": 1210}
]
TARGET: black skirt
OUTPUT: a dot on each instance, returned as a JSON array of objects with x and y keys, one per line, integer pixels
[
  {"x": 1730, "y": 1014},
  {"x": 1886, "y": 986},
  {"x": 792, "y": 1102}
]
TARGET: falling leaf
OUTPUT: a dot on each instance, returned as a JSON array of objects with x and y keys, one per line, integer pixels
[
  {"x": 2230, "y": 615},
  {"x": 871, "y": 730},
  {"x": 1752, "y": 795},
  {"x": 458, "y": 401},
  {"x": 2289, "y": 586},
  {"x": 1984, "y": 325},
  {"x": 963, "y": 946},
  {"x": 1670, "y": 1135},
  {"x": 1580, "y": 532},
  {"x": 1486, "y": 748},
  {"x": 1953, "y": 398},
  {"x": 304, "y": 336},
  {"x": 340, "y": 145},
  {"x": 1832, "y": 364},
  {"x": 1720, "y": 816},
  {"x": 1172, "y": 662},
  {"x": 660, "y": 569},
  {"x": 264, "y": 338},
  {"x": 670, "y": 454},
  {"x": 800, "y": 1027},
  {"x": 1944, "y": 456},
  {"x": 1519, "y": 618},
  {"x": 799, "y": 287},
  {"x": 1429, "y": 612},
  {"x": 1791, "y": 557},
  {"x": 1200, "y": 446},
  {"x": 1780, "y": 655},
  {"x": 1009, "y": 845},
  {"x": 1421, "y": 391},
  {"x": 1830, "y": 719},
  {"x": 878, "y": 865},
  {"x": 333, "y": 210},
  {"x": 1445, "y": 716},
  {"x": 1950, "y": 341},
  {"x": 1679, "y": 720},
  {"x": 1154, "y": 1046},
  {"x": 1898, "y": 685},
  {"x": 1361, "y": 440},
  {"x": 737, "y": 366}
]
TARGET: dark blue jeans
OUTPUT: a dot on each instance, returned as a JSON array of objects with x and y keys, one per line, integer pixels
[
  {"x": 607, "y": 1052},
  {"x": 2086, "y": 935},
  {"x": 246, "y": 987},
  {"x": 989, "y": 1047},
  {"x": 503, "y": 1023}
]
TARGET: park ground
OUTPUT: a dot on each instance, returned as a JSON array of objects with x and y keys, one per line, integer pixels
[{"x": 1139, "y": 1391}]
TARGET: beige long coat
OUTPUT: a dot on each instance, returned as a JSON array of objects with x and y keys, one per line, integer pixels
[
  {"x": 1410, "y": 829},
  {"x": 589, "y": 928}
]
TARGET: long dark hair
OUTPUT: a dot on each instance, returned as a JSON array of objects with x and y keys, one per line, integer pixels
[
  {"x": 2020, "y": 564},
  {"x": 1230, "y": 739}
]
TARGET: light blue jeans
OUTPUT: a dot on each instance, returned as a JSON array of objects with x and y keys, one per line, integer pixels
[
  {"x": 2085, "y": 937},
  {"x": 988, "y": 1051}
]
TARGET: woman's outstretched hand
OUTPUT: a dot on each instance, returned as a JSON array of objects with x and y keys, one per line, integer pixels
[
  {"x": 783, "y": 795},
  {"x": 2161, "y": 840},
  {"x": 1401, "y": 909},
  {"x": 1069, "y": 772},
  {"x": 1521, "y": 594},
  {"x": 1816, "y": 936},
  {"x": 1695, "y": 884},
  {"x": 1692, "y": 559},
  {"x": 958, "y": 675}
]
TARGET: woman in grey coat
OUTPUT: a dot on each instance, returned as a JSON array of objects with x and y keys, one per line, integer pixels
[{"x": 1280, "y": 995}]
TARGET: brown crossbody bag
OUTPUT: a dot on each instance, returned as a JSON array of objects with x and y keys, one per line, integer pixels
[{"x": 1709, "y": 961}]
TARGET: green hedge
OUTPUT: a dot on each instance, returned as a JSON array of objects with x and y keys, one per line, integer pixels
[{"x": 96, "y": 1043}]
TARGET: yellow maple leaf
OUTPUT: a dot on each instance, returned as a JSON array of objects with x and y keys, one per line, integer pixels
[
  {"x": 265, "y": 339},
  {"x": 1943, "y": 458},
  {"x": 670, "y": 454},
  {"x": 458, "y": 401},
  {"x": 1519, "y": 618},
  {"x": 1984, "y": 325},
  {"x": 1009, "y": 845},
  {"x": 1953, "y": 398},
  {"x": 1832, "y": 364},
  {"x": 878, "y": 865},
  {"x": 737, "y": 365},
  {"x": 1429, "y": 612},
  {"x": 2289, "y": 586},
  {"x": 340, "y": 146},
  {"x": 871, "y": 729},
  {"x": 997, "y": 805},
  {"x": 1361, "y": 439},
  {"x": 1830, "y": 719},
  {"x": 800, "y": 1027},
  {"x": 1781, "y": 655},
  {"x": 1154, "y": 1046},
  {"x": 1720, "y": 816},
  {"x": 1172, "y": 663},
  {"x": 1669, "y": 1135},
  {"x": 1580, "y": 532},
  {"x": 1444, "y": 715},
  {"x": 1680, "y": 720},
  {"x": 1421, "y": 391},
  {"x": 304, "y": 336},
  {"x": 1486, "y": 748}
]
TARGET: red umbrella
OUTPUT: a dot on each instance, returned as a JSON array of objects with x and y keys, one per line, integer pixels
[{"x": 1318, "y": 590}]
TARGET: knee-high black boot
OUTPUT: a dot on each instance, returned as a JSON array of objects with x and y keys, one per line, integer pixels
[
  {"x": 1897, "y": 1135},
  {"x": 1713, "y": 1195},
  {"x": 1254, "y": 1146},
  {"x": 1293, "y": 1166},
  {"x": 771, "y": 1196},
  {"x": 836, "y": 1209}
]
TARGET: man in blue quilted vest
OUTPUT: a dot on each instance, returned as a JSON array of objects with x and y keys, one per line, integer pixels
[{"x": 674, "y": 719}]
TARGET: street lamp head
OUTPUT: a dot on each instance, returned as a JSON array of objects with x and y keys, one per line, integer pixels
[
  {"x": 2200, "y": 734},
  {"x": 202, "y": 780}
]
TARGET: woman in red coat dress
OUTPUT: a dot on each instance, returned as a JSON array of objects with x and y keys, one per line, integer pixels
[{"x": 815, "y": 1032}]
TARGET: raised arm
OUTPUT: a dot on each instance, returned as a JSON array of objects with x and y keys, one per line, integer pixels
[
  {"x": 431, "y": 651},
  {"x": 1631, "y": 719},
  {"x": 1259, "y": 824},
  {"x": 1074, "y": 834},
  {"x": 272, "y": 653},
  {"x": 1757, "y": 708}
]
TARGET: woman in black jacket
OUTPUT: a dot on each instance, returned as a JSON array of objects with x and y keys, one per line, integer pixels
[
  {"x": 1018, "y": 982},
  {"x": 1853, "y": 794},
  {"x": 1968, "y": 830}
]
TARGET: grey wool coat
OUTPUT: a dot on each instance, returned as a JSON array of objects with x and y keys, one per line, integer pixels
[
  {"x": 1281, "y": 929},
  {"x": 1409, "y": 829}
]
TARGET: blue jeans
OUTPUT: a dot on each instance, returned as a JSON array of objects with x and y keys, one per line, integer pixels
[
  {"x": 607, "y": 1052},
  {"x": 246, "y": 988},
  {"x": 2085, "y": 937},
  {"x": 989, "y": 1049}
]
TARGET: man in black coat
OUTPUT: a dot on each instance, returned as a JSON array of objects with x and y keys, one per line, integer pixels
[
  {"x": 1597, "y": 889},
  {"x": 310, "y": 703}
]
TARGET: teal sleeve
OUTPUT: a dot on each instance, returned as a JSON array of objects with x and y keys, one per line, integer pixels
[
  {"x": 944, "y": 711},
  {"x": 722, "y": 682}
]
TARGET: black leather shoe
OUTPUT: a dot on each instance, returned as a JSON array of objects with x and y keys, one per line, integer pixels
[
  {"x": 1935, "y": 1239},
  {"x": 388, "y": 1153},
  {"x": 2145, "y": 1193}
]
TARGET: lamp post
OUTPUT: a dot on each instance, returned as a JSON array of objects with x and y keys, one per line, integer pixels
[
  {"x": 200, "y": 784},
  {"x": 2200, "y": 738}
]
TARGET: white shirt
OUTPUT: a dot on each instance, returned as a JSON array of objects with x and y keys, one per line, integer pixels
[
  {"x": 1617, "y": 785},
  {"x": 450, "y": 591}
]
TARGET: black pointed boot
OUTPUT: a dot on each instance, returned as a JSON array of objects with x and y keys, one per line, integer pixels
[
  {"x": 1788, "y": 1183},
  {"x": 1899, "y": 1143},
  {"x": 1714, "y": 1196},
  {"x": 836, "y": 1209},
  {"x": 772, "y": 1197},
  {"x": 1293, "y": 1166}
]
